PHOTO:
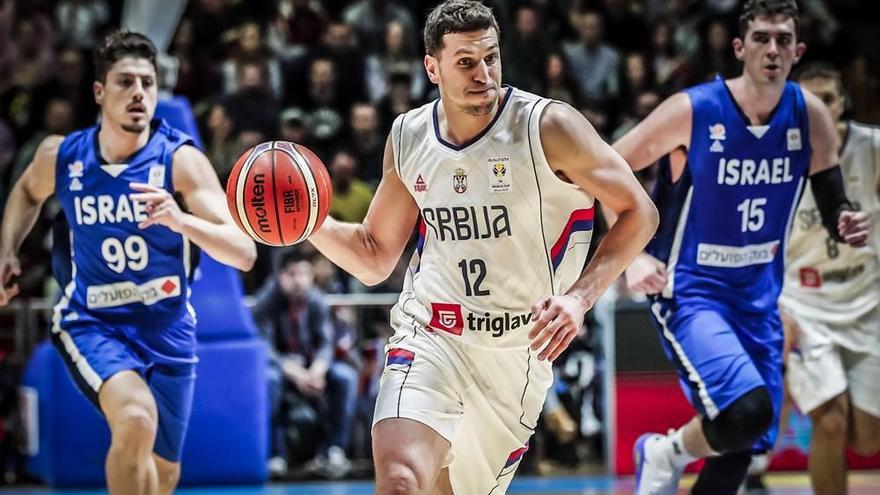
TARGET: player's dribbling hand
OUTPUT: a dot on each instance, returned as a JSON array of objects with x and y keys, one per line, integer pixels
[
  {"x": 646, "y": 275},
  {"x": 160, "y": 205},
  {"x": 557, "y": 321},
  {"x": 853, "y": 227},
  {"x": 9, "y": 267}
]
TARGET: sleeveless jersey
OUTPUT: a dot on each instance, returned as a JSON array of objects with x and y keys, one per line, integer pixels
[
  {"x": 498, "y": 229},
  {"x": 117, "y": 271},
  {"x": 724, "y": 223},
  {"x": 829, "y": 281}
]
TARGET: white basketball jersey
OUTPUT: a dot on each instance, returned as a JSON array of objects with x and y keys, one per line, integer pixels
[
  {"x": 498, "y": 228},
  {"x": 830, "y": 281}
]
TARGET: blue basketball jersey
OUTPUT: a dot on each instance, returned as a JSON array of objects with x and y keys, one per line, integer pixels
[
  {"x": 115, "y": 271},
  {"x": 724, "y": 223}
]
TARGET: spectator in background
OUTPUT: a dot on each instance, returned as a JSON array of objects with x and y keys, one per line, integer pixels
[
  {"x": 366, "y": 141},
  {"x": 296, "y": 322},
  {"x": 399, "y": 99},
  {"x": 394, "y": 58},
  {"x": 351, "y": 196},
  {"x": 638, "y": 108},
  {"x": 340, "y": 45},
  {"x": 79, "y": 21},
  {"x": 636, "y": 77},
  {"x": 594, "y": 64},
  {"x": 558, "y": 82},
  {"x": 525, "y": 50},
  {"x": 295, "y": 126},
  {"x": 71, "y": 82},
  {"x": 297, "y": 27},
  {"x": 253, "y": 107},
  {"x": 57, "y": 119},
  {"x": 369, "y": 18},
  {"x": 668, "y": 65},
  {"x": 7, "y": 152},
  {"x": 250, "y": 49},
  {"x": 221, "y": 147},
  {"x": 31, "y": 55},
  {"x": 196, "y": 79},
  {"x": 715, "y": 56},
  {"x": 625, "y": 30}
]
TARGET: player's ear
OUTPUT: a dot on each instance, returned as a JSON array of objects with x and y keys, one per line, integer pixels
[
  {"x": 799, "y": 51},
  {"x": 738, "y": 48},
  {"x": 98, "y": 90},
  {"x": 432, "y": 67}
]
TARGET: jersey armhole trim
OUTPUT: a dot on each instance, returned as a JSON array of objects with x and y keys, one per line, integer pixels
[
  {"x": 398, "y": 152},
  {"x": 540, "y": 198}
]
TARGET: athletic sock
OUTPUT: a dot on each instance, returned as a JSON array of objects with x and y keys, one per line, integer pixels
[{"x": 678, "y": 455}]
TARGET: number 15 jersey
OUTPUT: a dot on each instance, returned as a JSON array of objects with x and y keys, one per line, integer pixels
[
  {"x": 116, "y": 271},
  {"x": 497, "y": 230},
  {"x": 725, "y": 222}
]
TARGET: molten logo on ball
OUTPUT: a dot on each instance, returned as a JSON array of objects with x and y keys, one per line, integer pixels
[{"x": 258, "y": 203}]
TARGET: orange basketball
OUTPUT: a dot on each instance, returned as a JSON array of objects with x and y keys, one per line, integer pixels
[{"x": 279, "y": 193}]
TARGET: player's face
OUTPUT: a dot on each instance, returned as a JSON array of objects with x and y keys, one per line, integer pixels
[
  {"x": 828, "y": 91},
  {"x": 128, "y": 94},
  {"x": 769, "y": 48},
  {"x": 468, "y": 71}
]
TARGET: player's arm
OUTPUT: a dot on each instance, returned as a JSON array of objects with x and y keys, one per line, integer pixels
[
  {"x": 370, "y": 250},
  {"x": 574, "y": 149},
  {"x": 664, "y": 130},
  {"x": 826, "y": 180},
  {"x": 209, "y": 224},
  {"x": 27, "y": 196}
]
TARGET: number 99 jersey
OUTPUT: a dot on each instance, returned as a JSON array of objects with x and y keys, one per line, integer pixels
[
  {"x": 497, "y": 230},
  {"x": 111, "y": 270}
]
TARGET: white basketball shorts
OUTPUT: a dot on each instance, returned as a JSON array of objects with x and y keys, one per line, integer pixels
[{"x": 485, "y": 402}]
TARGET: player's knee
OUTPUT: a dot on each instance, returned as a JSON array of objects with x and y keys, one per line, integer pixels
[
  {"x": 135, "y": 426},
  {"x": 830, "y": 420},
  {"x": 398, "y": 478},
  {"x": 738, "y": 426}
]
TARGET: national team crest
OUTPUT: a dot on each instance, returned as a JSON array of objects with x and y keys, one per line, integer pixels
[
  {"x": 75, "y": 169},
  {"x": 157, "y": 176},
  {"x": 500, "y": 172},
  {"x": 717, "y": 132},
  {"x": 459, "y": 181}
]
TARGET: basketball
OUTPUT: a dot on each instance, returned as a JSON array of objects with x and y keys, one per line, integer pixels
[{"x": 279, "y": 193}]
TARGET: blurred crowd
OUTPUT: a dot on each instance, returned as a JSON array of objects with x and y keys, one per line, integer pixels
[{"x": 332, "y": 75}]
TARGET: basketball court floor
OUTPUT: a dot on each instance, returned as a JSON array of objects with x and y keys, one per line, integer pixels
[{"x": 861, "y": 483}]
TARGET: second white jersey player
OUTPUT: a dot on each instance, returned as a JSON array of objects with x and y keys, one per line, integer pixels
[{"x": 831, "y": 282}]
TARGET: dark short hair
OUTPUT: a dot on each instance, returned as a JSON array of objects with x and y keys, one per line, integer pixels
[
  {"x": 293, "y": 255},
  {"x": 820, "y": 70},
  {"x": 759, "y": 8},
  {"x": 121, "y": 44},
  {"x": 456, "y": 16}
]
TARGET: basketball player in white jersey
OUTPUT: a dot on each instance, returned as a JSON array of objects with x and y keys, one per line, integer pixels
[
  {"x": 832, "y": 297},
  {"x": 504, "y": 182}
]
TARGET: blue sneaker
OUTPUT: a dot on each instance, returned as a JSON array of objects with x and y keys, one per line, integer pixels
[{"x": 655, "y": 473}]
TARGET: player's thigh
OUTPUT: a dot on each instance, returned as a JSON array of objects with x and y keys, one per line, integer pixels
[
  {"x": 125, "y": 398},
  {"x": 408, "y": 451}
]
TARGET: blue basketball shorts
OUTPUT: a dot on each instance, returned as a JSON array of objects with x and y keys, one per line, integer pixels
[
  {"x": 163, "y": 356},
  {"x": 721, "y": 355}
]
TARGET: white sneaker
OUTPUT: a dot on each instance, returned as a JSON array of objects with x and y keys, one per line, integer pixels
[
  {"x": 655, "y": 473},
  {"x": 337, "y": 465},
  {"x": 277, "y": 467}
]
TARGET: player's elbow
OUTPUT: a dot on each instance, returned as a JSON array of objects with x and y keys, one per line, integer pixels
[
  {"x": 247, "y": 258},
  {"x": 375, "y": 276}
]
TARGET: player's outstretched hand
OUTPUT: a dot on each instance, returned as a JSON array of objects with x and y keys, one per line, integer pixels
[
  {"x": 161, "y": 207},
  {"x": 646, "y": 274},
  {"x": 9, "y": 267},
  {"x": 557, "y": 321},
  {"x": 853, "y": 227}
]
